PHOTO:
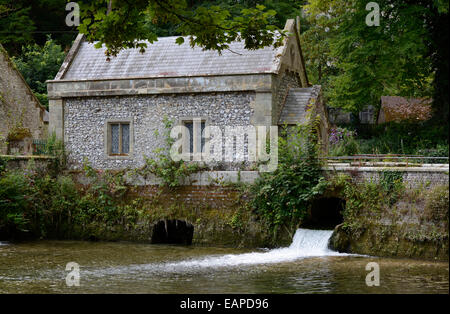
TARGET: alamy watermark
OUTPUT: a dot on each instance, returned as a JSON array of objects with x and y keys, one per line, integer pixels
[
  {"x": 373, "y": 18},
  {"x": 73, "y": 277},
  {"x": 373, "y": 277},
  {"x": 73, "y": 17},
  {"x": 226, "y": 144}
]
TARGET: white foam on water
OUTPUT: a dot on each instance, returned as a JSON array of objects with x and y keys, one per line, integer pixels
[{"x": 306, "y": 243}]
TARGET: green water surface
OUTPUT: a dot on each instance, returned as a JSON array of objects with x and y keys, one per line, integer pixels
[{"x": 40, "y": 267}]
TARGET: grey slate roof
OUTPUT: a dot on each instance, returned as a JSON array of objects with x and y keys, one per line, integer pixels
[
  {"x": 165, "y": 58},
  {"x": 296, "y": 105}
]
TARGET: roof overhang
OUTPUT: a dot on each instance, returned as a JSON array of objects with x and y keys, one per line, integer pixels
[
  {"x": 62, "y": 87},
  {"x": 153, "y": 86}
]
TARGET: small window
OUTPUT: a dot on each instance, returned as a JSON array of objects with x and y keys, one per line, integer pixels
[
  {"x": 190, "y": 126},
  {"x": 195, "y": 131},
  {"x": 119, "y": 135}
]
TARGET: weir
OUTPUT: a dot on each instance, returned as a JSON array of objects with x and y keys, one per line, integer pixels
[
  {"x": 306, "y": 243},
  {"x": 124, "y": 267}
]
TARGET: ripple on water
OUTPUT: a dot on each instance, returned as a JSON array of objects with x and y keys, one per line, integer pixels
[{"x": 307, "y": 266}]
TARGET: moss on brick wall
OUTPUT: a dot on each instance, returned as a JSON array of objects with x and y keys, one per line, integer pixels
[
  {"x": 100, "y": 205},
  {"x": 389, "y": 219}
]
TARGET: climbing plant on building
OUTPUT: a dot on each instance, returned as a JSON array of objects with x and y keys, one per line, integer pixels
[
  {"x": 172, "y": 173},
  {"x": 284, "y": 196}
]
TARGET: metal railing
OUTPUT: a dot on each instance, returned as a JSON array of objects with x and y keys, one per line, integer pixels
[
  {"x": 39, "y": 147},
  {"x": 388, "y": 158}
]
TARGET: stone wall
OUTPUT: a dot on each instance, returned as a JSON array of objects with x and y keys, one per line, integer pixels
[
  {"x": 24, "y": 162},
  {"x": 220, "y": 214},
  {"x": 216, "y": 197},
  {"x": 85, "y": 120},
  {"x": 426, "y": 176},
  {"x": 412, "y": 225},
  {"x": 18, "y": 106},
  {"x": 411, "y": 221},
  {"x": 413, "y": 178},
  {"x": 281, "y": 85}
]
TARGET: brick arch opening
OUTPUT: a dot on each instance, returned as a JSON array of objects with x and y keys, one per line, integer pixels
[
  {"x": 172, "y": 231},
  {"x": 325, "y": 213}
]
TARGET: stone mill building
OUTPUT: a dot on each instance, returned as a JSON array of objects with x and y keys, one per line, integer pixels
[
  {"x": 112, "y": 112},
  {"x": 22, "y": 117}
]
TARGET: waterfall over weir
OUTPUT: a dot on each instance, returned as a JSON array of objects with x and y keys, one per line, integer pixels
[{"x": 306, "y": 243}]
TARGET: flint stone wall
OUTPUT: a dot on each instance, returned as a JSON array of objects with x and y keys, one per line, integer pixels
[{"x": 85, "y": 120}]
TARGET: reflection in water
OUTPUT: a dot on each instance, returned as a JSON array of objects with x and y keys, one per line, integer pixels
[{"x": 39, "y": 267}]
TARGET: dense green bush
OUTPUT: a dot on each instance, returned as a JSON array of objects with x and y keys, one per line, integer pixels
[
  {"x": 34, "y": 205},
  {"x": 410, "y": 138},
  {"x": 436, "y": 204},
  {"x": 14, "y": 203},
  {"x": 366, "y": 199},
  {"x": 284, "y": 196},
  {"x": 421, "y": 138},
  {"x": 392, "y": 185},
  {"x": 3, "y": 162}
]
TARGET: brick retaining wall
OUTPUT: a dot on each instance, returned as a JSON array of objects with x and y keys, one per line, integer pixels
[
  {"x": 414, "y": 177},
  {"x": 194, "y": 196}
]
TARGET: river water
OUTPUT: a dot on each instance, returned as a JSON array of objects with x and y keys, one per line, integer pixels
[{"x": 306, "y": 266}]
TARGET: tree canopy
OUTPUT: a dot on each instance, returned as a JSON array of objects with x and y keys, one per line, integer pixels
[
  {"x": 25, "y": 22},
  {"x": 406, "y": 55},
  {"x": 359, "y": 63},
  {"x": 38, "y": 64},
  {"x": 212, "y": 25}
]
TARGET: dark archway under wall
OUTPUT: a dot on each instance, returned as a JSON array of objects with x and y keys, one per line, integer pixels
[
  {"x": 325, "y": 213},
  {"x": 172, "y": 231}
]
